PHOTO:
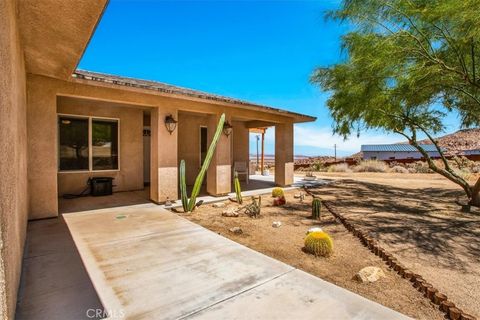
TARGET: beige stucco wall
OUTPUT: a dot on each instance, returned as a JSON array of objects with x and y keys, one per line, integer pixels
[
  {"x": 189, "y": 142},
  {"x": 13, "y": 186},
  {"x": 241, "y": 142},
  {"x": 130, "y": 175},
  {"x": 42, "y": 95},
  {"x": 284, "y": 154}
]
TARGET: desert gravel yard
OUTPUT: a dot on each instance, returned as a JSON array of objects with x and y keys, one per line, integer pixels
[
  {"x": 285, "y": 244},
  {"x": 414, "y": 216}
]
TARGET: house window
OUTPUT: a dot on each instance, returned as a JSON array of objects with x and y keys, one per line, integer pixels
[
  {"x": 104, "y": 144},
  {"x": 88, "y": 144},
  {"x": 203, "y": 144}
]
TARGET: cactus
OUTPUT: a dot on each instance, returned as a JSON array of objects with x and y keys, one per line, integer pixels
[
  {"x": 319, "y": 243},
  {"x": 277, "y": 193},
  {"x": 183, "y": 186},
  {"x": 253, "y": 209},
  {"x": 238, "y": 190},
  {"x": 316, "y": 208},
  {"x": 191, "y": 205}
]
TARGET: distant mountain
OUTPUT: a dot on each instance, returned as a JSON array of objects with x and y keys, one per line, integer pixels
[
  {"x": 454, "y": 143},
  {"x": 466, "y": 139}
]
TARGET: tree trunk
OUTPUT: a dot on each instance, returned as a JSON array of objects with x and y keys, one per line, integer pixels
[{"x": 475, "y": 201}]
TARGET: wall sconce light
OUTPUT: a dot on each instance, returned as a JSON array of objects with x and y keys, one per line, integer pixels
[
  {"x": 227, "y": 128},
  {"x": 170, "y": 123}
]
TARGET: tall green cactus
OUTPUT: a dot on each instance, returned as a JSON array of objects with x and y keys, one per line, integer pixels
[
  {"x": 316, "y": 208},
  {"x": 238, "y": 190},
  {"x": 183, "y": 186},
  {"x": 189, "y": 206}
]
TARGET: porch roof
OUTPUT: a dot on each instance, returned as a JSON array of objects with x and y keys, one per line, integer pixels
[{"x": 176, "y": 90}]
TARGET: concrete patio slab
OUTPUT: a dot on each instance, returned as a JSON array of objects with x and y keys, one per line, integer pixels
[{"x": 148, "y": 263}]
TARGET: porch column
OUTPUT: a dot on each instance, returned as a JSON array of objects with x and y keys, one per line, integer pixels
[
  {"x": 219, "y": 174},
  {"x": 284, "y": 154},
  {"x": 163, "y": 157}
]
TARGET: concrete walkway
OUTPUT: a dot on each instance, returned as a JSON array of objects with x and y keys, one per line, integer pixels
[{"x": 148, "y": 263}]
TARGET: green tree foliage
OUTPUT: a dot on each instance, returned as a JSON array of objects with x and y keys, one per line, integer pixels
[{"x": 409, "y": 62}]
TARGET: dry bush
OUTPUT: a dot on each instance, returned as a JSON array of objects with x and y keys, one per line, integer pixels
[
  {"x": 371, "y": 166},
  {"x": 341, "y": 167},
  {"x": 418, "y": 167},
  {"x": 398, "y": 169}
]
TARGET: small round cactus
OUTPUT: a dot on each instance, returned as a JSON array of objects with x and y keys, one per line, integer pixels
[
  {"x": 319, "y": 243},
  {"x": 277, "y": 193}
]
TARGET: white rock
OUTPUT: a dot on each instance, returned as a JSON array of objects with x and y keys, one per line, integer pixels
[
  {"x": 236, "y": 230},
  {"x": 276, "y": 224},
  {"x": 231, "y": 212},
  {"x": 314, "y": 229},
  {"x": 219, "y": 205},
  {"x": 369, "y": 274},
  {"x": 297, "y": 195}
]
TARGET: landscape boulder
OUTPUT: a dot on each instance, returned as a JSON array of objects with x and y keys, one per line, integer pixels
[
  {"x": 230, "y": 212},
  {"x": 369, "y": 274},
  {"x": 276, "y": 224},
  {"x": 314, "y": 229},
  {"x": 236, "y": 230},
  {"x": 219, "y": 205}
]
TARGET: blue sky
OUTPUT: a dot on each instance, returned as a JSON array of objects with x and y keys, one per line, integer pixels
[{"x": 259, "y": 51}]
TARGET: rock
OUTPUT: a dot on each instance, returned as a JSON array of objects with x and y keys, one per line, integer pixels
[
  {"x": 369, "y": 274},
  {"x": 236, "y": 230},
  {"x": 296, "y": 224},
  {"x": 276, "y": 224},
  {"x": 219, "y": 205},
  {"x": 231, "y": 212},
  {"x": 297, "y": 195},
  {"x": 314, "y": 229}
]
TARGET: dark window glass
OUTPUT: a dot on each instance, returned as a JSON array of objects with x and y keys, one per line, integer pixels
[
  {"x": 73, "y": 147},
  {"x": 203, "y": 144},
  {"x": 104, "y": 144}
]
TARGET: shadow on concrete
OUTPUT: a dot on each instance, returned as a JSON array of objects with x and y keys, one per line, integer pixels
[{"x": 54, "y": 283}]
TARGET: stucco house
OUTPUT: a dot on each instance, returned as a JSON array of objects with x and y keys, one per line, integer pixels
[
  {"x": 59, "y": 126},
  {"x": 396, "y": 151}
]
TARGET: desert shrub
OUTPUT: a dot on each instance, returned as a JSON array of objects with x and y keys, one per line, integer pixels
[
  {"x": 371, "y": 166},
  {"x": 418, "y": 167},
  {"x": 341, "y": 167},
  {"x": 398, "y": 169},
  {"x": 278, "y": 193},
  {"x": 319, "y": 243},
  {"x": 318, "y": 167}
]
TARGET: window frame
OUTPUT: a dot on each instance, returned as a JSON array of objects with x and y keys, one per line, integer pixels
[{"x": 90, "y": 145}]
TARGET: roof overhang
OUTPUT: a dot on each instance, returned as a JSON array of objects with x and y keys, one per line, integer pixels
[
  {"x": 163, "y": 89},
  {"x": 54, "y": 34}
]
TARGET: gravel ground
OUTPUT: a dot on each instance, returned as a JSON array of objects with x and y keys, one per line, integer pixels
[
  {"x": 415, "y": 217},
  {"x": 285, "y": 244}
]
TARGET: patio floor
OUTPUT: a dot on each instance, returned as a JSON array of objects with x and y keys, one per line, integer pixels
[{"x": 148, "y": 263}]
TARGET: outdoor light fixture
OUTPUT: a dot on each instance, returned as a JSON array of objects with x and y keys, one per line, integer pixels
[
  {"x": 170, "y": 123},
  {"x": 227, "y": 128}
]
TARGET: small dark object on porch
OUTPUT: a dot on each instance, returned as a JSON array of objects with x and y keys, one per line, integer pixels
[{"x": 101, "y": 186}]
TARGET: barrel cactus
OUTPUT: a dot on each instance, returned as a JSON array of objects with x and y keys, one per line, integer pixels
[
  {"x": 277, "y": 193},
  {"x": 319, "y": 243},
  {"x": 316, "y": 208}
]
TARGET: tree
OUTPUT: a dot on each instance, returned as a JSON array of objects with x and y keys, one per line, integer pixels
[{"x": 409, "y": 63}]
